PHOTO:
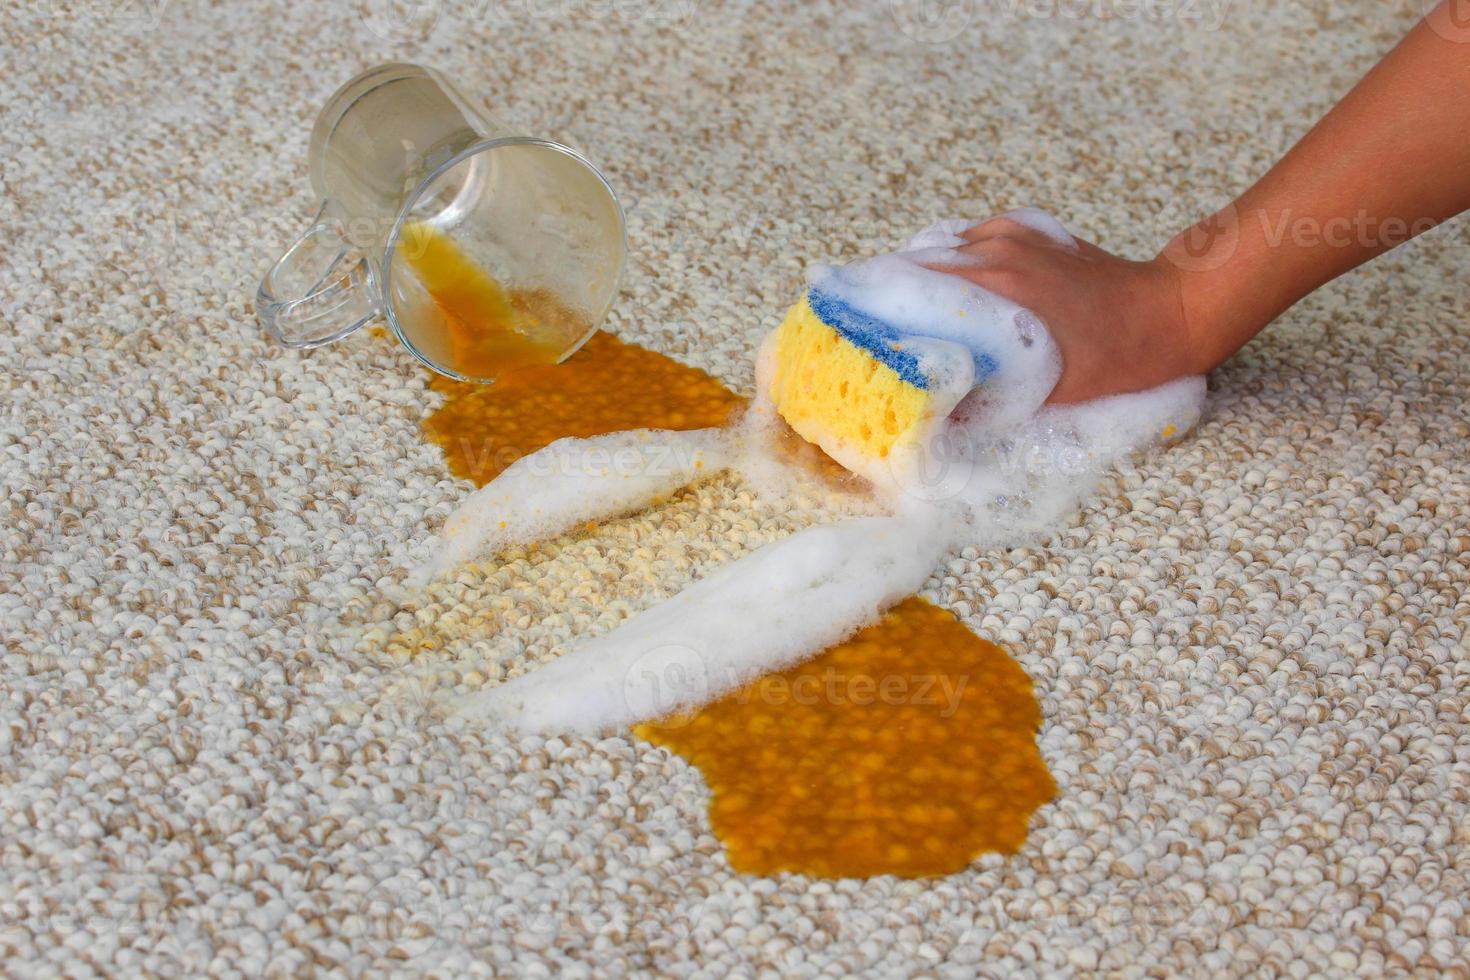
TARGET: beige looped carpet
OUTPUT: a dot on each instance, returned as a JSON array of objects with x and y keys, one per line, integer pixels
[{"x": 217, "y": 757}]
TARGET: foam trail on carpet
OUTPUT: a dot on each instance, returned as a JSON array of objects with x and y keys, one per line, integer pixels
[
  {"x": 897, "y": 370},
  {"x": 758, "y": 614},
  {"x": 572, "y": 481}
]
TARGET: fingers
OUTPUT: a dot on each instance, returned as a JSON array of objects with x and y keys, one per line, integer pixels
[
  {"x": 1002, "y": 263},
  {"x": 1027, "y": 224},
  {"x": 1003, "y": 226},
  {"x": 1001, "y": 247},
  {"x": 1014, "y": 259},
  {"x": 1010, "y": 280}
]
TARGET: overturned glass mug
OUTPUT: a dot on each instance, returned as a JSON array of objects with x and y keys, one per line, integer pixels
[{"x": 484, "y": 250}]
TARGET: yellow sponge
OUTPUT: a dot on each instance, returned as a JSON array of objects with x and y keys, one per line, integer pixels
[{"x": 850, "y": 394}]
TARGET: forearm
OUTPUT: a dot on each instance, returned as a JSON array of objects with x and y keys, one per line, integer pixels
[{"x": 1389, "y": 162}]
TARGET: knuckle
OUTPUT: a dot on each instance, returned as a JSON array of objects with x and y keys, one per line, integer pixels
[
  {"x": 1004, "y": 225},
  {"x": 999, "y": 248},
  {"x": 997, "y": 226}
]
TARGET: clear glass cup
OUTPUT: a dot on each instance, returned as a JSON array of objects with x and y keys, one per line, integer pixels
[{"x": 482, "y": 249}]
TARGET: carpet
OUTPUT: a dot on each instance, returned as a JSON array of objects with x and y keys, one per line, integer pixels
[{"x": 1250, "y": 650}]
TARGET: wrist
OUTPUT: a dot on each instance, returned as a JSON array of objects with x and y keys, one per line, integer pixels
[
  {"x": 1212, "y": 267},
  {"x": 1179, "y": 331}
]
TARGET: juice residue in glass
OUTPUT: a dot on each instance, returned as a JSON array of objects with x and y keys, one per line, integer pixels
[{"x": 485, "y": 330}]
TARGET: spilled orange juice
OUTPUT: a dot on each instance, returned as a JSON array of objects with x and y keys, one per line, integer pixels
[
  {"x": 907, "y": 750},
  {"x": 607, "y": 386}
]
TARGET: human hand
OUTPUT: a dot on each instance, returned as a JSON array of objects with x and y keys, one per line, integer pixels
[
  {"x": 1120, "y": 325},
  {"x": 1386, "y": 164}
]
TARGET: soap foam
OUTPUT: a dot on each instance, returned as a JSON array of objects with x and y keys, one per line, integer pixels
[
  {"x": 570, "y": 482},
  {"x": 999, "y": 469},
  {"x": 1016, "y": 361},
  {"x": 766, "y": 611}
]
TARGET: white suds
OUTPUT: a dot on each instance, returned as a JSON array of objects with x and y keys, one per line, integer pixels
[
  {"x": 996, "y": 467},
  {"x": 763, "y": 612},
  {"x": 573, "y": 481}
]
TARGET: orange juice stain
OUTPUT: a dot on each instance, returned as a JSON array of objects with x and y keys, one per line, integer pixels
[
  {"x": 908, "y": 750},
  {"x": 489, "y": 330},
  {"x": 607, "y": 386}
]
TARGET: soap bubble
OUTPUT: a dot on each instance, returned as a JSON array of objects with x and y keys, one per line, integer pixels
[{"x": 1028, "y": 328}]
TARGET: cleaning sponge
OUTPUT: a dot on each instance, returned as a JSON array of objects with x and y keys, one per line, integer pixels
[
  {"x": 841, "y": 388},
  {"x": 877, "y": 355}
]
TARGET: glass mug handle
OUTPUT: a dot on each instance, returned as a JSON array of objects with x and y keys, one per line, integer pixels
[{"x": 320, "y": 290}]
